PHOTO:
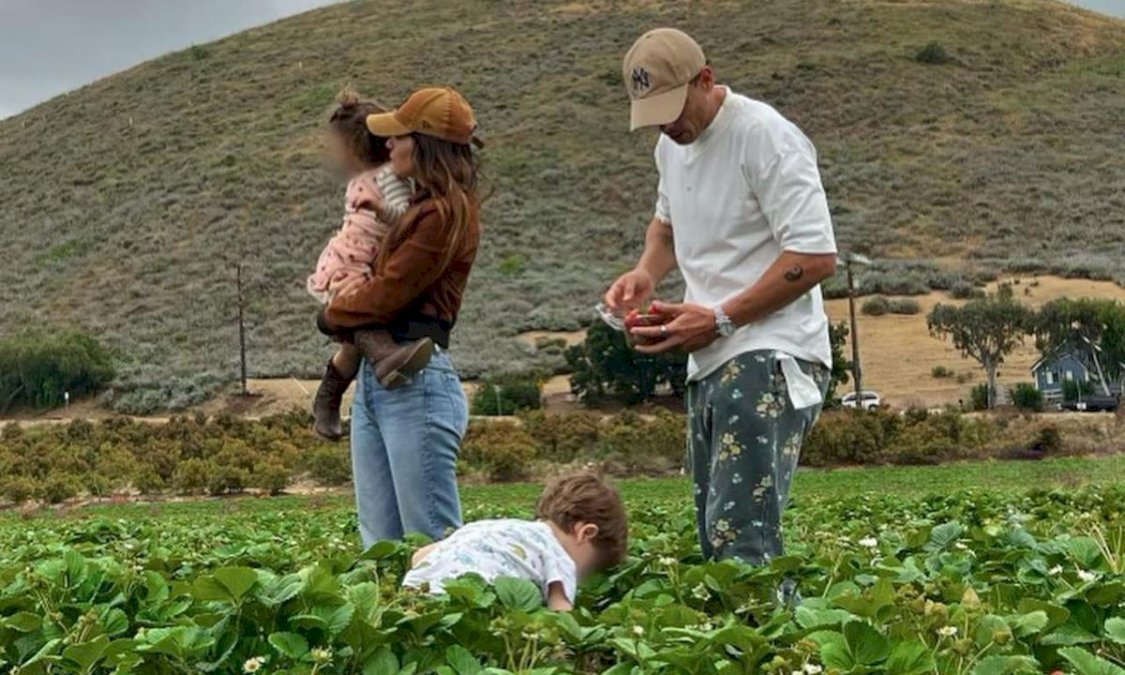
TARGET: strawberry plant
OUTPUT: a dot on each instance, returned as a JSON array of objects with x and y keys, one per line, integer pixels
[{"x": 974, "y": 582}]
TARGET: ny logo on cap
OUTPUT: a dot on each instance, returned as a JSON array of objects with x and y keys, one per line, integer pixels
[{"x": 640, "y": 79}]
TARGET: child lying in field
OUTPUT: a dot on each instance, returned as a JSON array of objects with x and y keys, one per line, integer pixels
[{"x": 580, "y": 528}]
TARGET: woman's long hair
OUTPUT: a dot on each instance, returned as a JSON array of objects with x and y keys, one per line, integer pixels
[{"x": 449, "y": 173}]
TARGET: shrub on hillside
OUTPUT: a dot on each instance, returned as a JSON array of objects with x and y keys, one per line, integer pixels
[
  {"x": 978, "y": 397},
  {"x": 963, "y": 290},
  {"x": 940, "y": 372},
  {"x": 562, "y": 438},
  {"x": 329, "y": 465},
  {"x": 878, "y": 306},
  {"x": 1076, "y": 389},
  {"x": 38, "y": 367},
  {"x": 933, "y": 53},
  {"x": 645, "y": 445},
  {"x": 1025, "y": 396},
  {"x": 848, "y": 437},
  {"x": 507, "y": 396},
  {"x": 605, "y": 367},
  {"x": 904, "y": 306},
  {"x": 502, "y": 449}
]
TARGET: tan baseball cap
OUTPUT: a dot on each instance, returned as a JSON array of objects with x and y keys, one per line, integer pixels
[
  {"x": 657, "y": 70},
  {"x": 436, "y": 111}
]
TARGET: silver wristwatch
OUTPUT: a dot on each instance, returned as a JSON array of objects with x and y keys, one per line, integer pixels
[{"x": 723, "y": 325}]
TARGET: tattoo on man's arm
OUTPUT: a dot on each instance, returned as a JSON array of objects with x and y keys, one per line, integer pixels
[{"x": 794, "y": 273}]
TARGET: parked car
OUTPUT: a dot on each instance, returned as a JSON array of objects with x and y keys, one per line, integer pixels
[
  {"x": 1093, "y": 403},
  {"x": 870, "y": 400}
]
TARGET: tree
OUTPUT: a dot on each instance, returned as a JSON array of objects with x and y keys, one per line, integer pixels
[
  {"x": 1092, "y": 329},
  {"x": 841, "y": 366},
  {"x": 985, "y": 330},
  {"x": 604, "y": 366}
]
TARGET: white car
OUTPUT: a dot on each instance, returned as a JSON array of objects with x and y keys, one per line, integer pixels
[{"x": 870, "y": 400}]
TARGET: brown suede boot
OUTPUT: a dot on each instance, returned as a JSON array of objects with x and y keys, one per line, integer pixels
[
  {"x": 394, "y": 363},
  {"x": 326, "y": 404}
]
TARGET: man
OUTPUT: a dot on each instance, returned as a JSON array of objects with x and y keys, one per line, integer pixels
[{"x": 741, "y": 210}]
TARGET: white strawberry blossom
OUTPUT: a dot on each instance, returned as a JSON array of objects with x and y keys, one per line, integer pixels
[
  {"x": 1086, "y": 576},
  {"x": 812, "y": 669},
  {"x": 253, "y": 665},
  {"x": 869, "y": 542},
  {"x": 947, "y": 631}
]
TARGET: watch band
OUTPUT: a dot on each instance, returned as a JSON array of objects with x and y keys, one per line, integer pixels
[{"x": 723, "y": 325}]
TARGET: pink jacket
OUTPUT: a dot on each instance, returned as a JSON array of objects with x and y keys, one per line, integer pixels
[{"x": 347, "y": 259}]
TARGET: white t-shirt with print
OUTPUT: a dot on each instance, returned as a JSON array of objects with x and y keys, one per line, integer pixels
[
  {"x": 499, "y": 548},
  {"x": 744, "y": 191}
]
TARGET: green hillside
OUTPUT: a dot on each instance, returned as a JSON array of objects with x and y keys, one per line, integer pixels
[{"x": 125, "y": 205}]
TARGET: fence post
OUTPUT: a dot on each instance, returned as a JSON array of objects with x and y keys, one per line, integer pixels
[{"x": 241, "y": 332}]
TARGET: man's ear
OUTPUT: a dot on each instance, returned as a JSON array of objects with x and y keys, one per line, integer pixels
[
  {"x": 706, "y": 78},
  {"x": 586, "y": 532}
]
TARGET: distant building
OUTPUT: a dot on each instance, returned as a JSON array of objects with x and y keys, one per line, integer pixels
[{"x": 1050, "y": 372}]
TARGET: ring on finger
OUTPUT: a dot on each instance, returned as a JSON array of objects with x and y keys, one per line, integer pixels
[{"x": 664, "y": 331}]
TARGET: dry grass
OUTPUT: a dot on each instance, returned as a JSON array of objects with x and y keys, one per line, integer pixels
[
  {"x": 898, "y": 353},
  {"x": 127, "y": 202}
]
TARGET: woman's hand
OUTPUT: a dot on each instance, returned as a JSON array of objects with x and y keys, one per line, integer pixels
[
  {"x": 630, "y": 291},
  {"x": 685, "y": 326}
]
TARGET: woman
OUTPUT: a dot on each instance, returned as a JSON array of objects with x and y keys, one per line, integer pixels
[{"x": 404, "y": 442}]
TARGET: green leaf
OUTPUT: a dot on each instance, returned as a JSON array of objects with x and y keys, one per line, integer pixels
[
  {"x": 381, "y": 662},
  {"x": 943, "y": 536},
  {"x": 1088, "y": 664},
  {"x": 1056, "y": 614},
  {"x": 1006, "y": 665},
  {"x": 910, "y": 658},
  {"x": 833, "y": 649},
  {"x": 280, "y": 590},
  {"x": 866, "y": 644},
  {"x": 462, "y": 660},
  {"x": 114, "y": 621},
  {"x": 518, "y": 594},
  {"x": 86, "y": 654},
  {"x": 1069, "y": 634},
  {"x": 209, "y": 589},
  {"x": 1115, "y": 629},
  {"x": 22, "y": 622},
  {"x": 75, "y": 568},
  {"x": 292, "y": 645},
  {"x": 1025, "y": 625},
  {"x": 814, "y": 618},
  {"x": 237, "y": 580}
]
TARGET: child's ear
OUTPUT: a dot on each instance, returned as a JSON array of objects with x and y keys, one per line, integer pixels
[{"x": 587, "y": 532}]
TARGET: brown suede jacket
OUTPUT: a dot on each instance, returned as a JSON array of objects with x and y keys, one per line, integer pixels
[{"x": 410, "y": 293}]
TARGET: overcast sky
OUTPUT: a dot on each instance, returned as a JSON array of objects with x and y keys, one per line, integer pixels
[{"x": 51, "y": 46}]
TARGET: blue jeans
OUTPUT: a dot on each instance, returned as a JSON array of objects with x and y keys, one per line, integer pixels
[{"x": 404, "y": 447}]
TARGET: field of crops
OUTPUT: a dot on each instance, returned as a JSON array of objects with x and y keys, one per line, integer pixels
[{"x": 899, "y": 574}]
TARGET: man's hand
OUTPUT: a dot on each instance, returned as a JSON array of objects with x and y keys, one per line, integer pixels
[
  {"x": 686, "y": 326},
  {"x": 630, "y": 291}
]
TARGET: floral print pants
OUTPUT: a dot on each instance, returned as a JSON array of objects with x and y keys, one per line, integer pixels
[{"x": 744, "y": 438}]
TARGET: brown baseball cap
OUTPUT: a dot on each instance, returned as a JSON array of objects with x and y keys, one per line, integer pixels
[
  {"x": 657, "y": 70},
  {"x": 436, "y": 111}
]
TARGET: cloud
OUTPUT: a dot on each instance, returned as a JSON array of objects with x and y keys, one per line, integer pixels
[{"x": 48, "y": 47}]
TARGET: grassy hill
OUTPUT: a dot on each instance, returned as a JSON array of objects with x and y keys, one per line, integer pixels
[{"x": 973, "y": 136}]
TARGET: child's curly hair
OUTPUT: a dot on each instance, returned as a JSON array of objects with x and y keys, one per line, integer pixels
[
  {"x": 585, "y": 498},
  {"x": 349, "y": 120}
]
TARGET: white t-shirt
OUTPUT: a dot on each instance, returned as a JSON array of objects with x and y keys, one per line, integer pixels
[
  {"x": 499, "y": 548},
  {"x": 745, "y": 190}
]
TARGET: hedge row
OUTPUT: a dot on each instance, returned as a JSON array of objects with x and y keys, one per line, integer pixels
[{"x": 225, "y": 455}]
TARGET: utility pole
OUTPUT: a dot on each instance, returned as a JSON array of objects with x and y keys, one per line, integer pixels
[{"x": 241, "y": 331}]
